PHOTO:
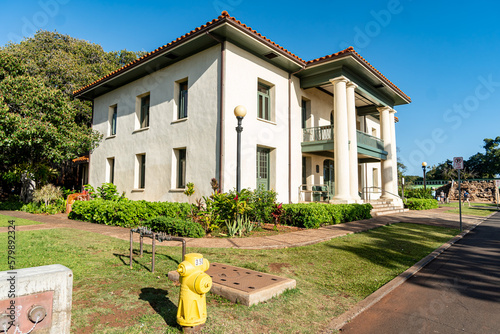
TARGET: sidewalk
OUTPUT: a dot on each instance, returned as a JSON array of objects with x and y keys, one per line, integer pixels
[
  {"x": 291, "y": 239},
  {"x": 457, "y": 292}
]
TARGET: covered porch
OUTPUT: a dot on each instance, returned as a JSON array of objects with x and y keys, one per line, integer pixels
[{"x": 351, "y": 151}]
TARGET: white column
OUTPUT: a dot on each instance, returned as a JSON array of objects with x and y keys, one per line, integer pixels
[
  {"x": 353, "y": 141},
  {"x": 386, "y": 165},
  {"x": 393, "y": 151},
  {"x": 340, "y": 140}
]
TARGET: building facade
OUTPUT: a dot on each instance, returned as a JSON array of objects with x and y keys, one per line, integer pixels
[{"x": 319, "y": 130}]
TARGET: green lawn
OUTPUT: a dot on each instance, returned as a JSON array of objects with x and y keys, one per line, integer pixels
[
  {"x": 476, "y": 209},
  {"x": 332, "y": 276},
  {"x": 4, "y": 221}
]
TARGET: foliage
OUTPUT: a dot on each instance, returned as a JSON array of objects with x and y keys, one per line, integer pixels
[
  {"x": 419, "y": 193},
  {"x": 189, "y": 189},
  {"x": 58, "y": 206},
  {"x": 126, "y": 213},
  {"x": 226, "y": 206},
  {"x": 175, "y": 226},
  {"x": 421, "y": 204},
  {"x": 47, "y": 194},
  {"x": 240, "y": 226},
  {"x": 107, "y": 191},
  {"x": 263, "y": 203},
  {"x": 11, "y": 205},
  {"x": 277, "y": 212},
  {"x": 314, "y": 215},
  {"x": 43, "y": 126}
]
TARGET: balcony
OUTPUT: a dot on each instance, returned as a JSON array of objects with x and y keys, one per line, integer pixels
[{"x": 319, "y": 140}]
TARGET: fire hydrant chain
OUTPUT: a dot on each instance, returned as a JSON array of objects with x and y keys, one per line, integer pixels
[{"x": 19, "y": 331}]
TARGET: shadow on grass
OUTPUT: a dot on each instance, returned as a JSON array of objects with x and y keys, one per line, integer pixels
[
  {"x": 159, "y": 301},
  {"x": 392, "y": 247}
]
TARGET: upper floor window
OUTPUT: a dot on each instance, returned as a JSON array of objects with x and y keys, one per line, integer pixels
[
  {"x": 263, "y": 101},
  {"x": 113, "y": 117},
  {"x": 144, "y": 112},
  {"x": 183, "y": 100}
]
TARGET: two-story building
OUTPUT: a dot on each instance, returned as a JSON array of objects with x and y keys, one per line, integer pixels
[{"x": 318, "y": 130}]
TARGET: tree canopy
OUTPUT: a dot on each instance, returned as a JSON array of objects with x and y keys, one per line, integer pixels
[
  {"x": 480, "y": 165},
  {"x": 41, "y": 124}
]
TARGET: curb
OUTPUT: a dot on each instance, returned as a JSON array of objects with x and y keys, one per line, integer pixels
[{"x": 338, "y": 322}]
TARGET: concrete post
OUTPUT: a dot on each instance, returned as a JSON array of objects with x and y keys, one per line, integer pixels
[
  {"x": 353, "y": 142},
  {"x": 386, "y": 165},
  {"x": 341, "y": 140}
]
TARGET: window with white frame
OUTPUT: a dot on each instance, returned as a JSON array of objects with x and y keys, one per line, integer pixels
[
  {"x": 140, "y": 171},
  {"x": 179, "y": 171},
  {"x": 182, "y": 111},
  {"x": 113, "y": 118},
  {"x": 142, "y": 111},
  {"x": 110, "y": 170},
  {"x": 265, "y": 101}
]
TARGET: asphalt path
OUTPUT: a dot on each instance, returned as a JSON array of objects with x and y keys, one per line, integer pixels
[{"x": 459, "y": 292}]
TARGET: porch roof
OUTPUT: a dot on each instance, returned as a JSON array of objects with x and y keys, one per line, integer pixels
[{"x": 228, "y": 28}]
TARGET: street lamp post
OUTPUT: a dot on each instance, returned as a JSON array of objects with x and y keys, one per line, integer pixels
[
  {"x": 239, "y": 112},
  {"x": 424, "y": 166}
]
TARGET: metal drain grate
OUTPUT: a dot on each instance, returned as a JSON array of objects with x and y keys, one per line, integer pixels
[{"x": 240, "y": 278}]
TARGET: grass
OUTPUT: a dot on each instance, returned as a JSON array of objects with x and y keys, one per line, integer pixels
[
  {"x": 332, "y": 276},
  {"x": 476, "y": 209},
  {"x": 4, "y": 221}
]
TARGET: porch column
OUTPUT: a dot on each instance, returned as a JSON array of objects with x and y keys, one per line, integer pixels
[
  {"x": 386, "y": 165},
  {"x": 353, "y": 141},
  {"x": 394, "y": 156},
  {"x": 340, "y": 140}
]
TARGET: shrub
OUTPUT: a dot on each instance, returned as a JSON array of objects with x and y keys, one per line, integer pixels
[
  {"x": 421, "y": 204},
  {"x": 38, "y": 207},
  {"x": 11, "y": 205},
  {"x": 176, "y": 226},
  {"x": 47, "y": 194},
  {"x": 419, "y": 193},
  {"x": 126, "y": 213},
  {"x": 314, "y": 215},
  {"x": 263, "y": 204}
]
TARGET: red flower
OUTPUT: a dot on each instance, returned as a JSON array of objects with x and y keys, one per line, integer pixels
[{"x": 236, "y": 198}]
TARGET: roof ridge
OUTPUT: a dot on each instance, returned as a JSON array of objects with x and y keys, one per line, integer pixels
[{"x": 226, "y": 17}]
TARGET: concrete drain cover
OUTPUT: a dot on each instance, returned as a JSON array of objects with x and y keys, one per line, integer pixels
[{"x": 243, "y": 286}]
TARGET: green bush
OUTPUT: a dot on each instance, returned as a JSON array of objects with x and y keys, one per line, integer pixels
[
  {"x": 421, "y": 204},
  {"x": 38, "y": 207},
  {"x": 126, "y": 213},
  {"x": 11, "y": 205},
  {"x": 419, "y": 193},
  {"x": 314, "y": 215},
  {"x": 175, "y": 226},
  {"x": 263, "y": 203}
]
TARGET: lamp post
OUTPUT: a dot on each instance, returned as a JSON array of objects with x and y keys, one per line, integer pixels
[
  {"x": 239, "y": 112},
  {"x": 424, "y": 166}
]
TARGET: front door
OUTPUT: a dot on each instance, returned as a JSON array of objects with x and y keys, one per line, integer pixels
[
  {"x": 263, "y": 168},
  {"x": 329, "y": 177}
]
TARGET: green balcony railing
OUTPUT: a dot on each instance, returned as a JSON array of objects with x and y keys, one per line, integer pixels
[
  {"x": 366, "y": 139},
  {"x": 325, "y": 134},
  {"x": 318, "y": 133}
]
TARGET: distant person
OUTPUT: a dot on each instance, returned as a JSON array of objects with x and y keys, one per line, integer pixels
[
  {"x": 467, "y": 197},
  {"x": 433, "y": 192},
  {"x": 441, "y": 196}
]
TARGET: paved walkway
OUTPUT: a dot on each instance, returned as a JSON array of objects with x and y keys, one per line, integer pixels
[
  {"x": 291, "y": 239},
  {"x": 459, "y": 292}
]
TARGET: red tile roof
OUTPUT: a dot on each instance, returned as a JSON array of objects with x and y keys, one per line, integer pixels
[
  {"x": 85, "y": 158},
  {"x": 225, "y": 17}
]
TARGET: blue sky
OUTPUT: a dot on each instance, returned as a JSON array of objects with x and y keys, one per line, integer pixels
[{"x": 444, "y": 55}]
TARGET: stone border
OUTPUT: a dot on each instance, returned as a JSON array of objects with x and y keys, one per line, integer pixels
[{"x": 338, "y": 322}]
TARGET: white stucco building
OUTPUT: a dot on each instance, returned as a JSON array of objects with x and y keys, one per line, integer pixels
[{"x": 315, "y": 130}]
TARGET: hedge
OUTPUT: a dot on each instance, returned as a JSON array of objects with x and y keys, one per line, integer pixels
[
  {"x": 175, "y": 226},
  {"x": 314, "y": 215},
  {"x": 421, "y": 204},
  {"x": 126, "y": 213}
]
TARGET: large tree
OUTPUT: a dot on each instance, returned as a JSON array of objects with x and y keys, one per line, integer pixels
[{"x": 41, "y": 124}]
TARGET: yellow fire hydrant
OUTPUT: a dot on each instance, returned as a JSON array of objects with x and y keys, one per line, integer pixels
[{"x": 195, "y": 283}]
